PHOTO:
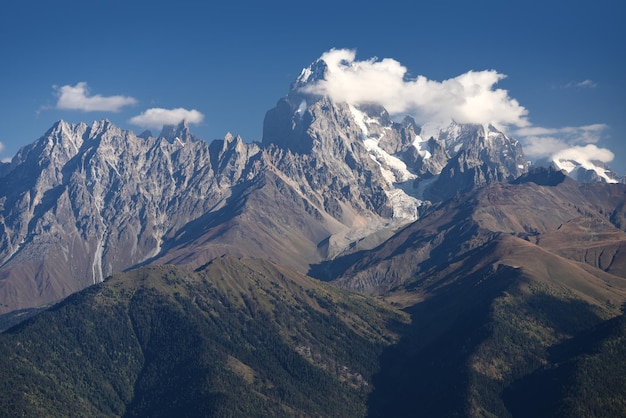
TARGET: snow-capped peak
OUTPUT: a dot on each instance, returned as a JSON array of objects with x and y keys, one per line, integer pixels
[
  {"x": 314, "y": 72},
  {"x": 586, "y": 171}
]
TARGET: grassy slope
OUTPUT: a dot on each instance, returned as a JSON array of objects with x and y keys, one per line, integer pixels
[{"x": 238, "y": 338}]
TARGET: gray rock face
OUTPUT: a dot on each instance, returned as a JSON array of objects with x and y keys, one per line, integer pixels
[
  {"x": 85, "y": 201},
  {"x": 483, "y": 156},
  {"x": 321, "y": 148}
]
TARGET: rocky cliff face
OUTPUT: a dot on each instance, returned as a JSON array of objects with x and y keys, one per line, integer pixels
[
  {"x": 478, "y": 156},
  {"x": 85, "y": 201}
]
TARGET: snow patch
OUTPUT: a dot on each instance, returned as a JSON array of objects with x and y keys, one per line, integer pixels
[
  {"x": 305, "y": 74},
  {"x": 393, "y": 169},
  {"x": 572, "y": 168},
  {"x": 301, "y": 108},
  {"x": 393, "y": 165},
  {"x": 359, "y": 118},
  {"x": 421, "y": 145},
  {"x": 113, "y": 168}
]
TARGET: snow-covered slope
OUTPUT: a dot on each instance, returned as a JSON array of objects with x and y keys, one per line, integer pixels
[{"x": 588, "y": 171}]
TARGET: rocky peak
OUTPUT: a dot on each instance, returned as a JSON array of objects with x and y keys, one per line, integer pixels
[
  {"x": 321, "y": 126},
  {"x": 478, "y": 156},
  {"x": 230, "y": 157},
  {"x": 352, "y": 151},
  {"x": 587, "y": 171},
  {"x": 100, "y": 127},
  {"x": 230, "y": 142},
  {"x": 40, "y": 164},
  {"x": 62, "y": 141},
  {"x": 145, "y": 134},
  {"x": 175, "y": 133},
  {"x": 543, "y": 176},
  {"x": 314, "y": 72}
]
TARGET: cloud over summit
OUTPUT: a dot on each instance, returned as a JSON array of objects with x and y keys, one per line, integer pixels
[
  {"x": 157, "y": 117},
  {"x": 585, "y": 155},
  {"x": 468, "y": 98},
  {"x": 471, "y": 97}
]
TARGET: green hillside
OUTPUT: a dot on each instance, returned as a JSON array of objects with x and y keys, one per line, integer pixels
[
  {"x": 244, "y": 338},
  {"x": 237, "y": 338},
  {"x": 585, "y": 377}
]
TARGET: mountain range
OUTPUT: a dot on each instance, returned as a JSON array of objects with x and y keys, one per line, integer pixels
[{"x": 346, "y": 265}]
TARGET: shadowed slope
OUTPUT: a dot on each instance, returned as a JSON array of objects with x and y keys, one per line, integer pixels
[
  {"x": 494, "y": 281},
  {"x": 486, "y": 322}
]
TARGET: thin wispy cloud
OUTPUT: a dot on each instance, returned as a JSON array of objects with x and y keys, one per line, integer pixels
[
  {"x": 585, "y": 84},
  {"x": 574, "y": 135},
  {"x": 585, "y": 155},
  {"x": 157, "y": 117},
  {"x": 577, "y": 143},
  {"x": 468, "y": 98},
  {"x": 78, "y": 97}
]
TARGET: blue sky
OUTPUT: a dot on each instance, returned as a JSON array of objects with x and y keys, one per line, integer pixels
[{"x": 564, "y": 61}]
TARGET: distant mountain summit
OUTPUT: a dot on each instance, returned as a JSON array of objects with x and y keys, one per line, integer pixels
[
  {"x": 177, "y": 133},
  {"x": 476, "y": 156},
  {"x": 416, "y": 163},
  {"x": 588, "y": 171}
]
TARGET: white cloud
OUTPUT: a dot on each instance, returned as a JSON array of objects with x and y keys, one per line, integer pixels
[
  {"x": 566, "y": 144},
  {"x": 5, "y": 159},
  {"x": 157, "y": 117},
  {"x": 78, "y": 98},
  {"x": 536, "y": 147},
  {"x": 471, "y": 97},
  {"x": 585, "y": 154},
  {"x": 468, "y": 98},
  {"x": 546, "y": 142}
]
